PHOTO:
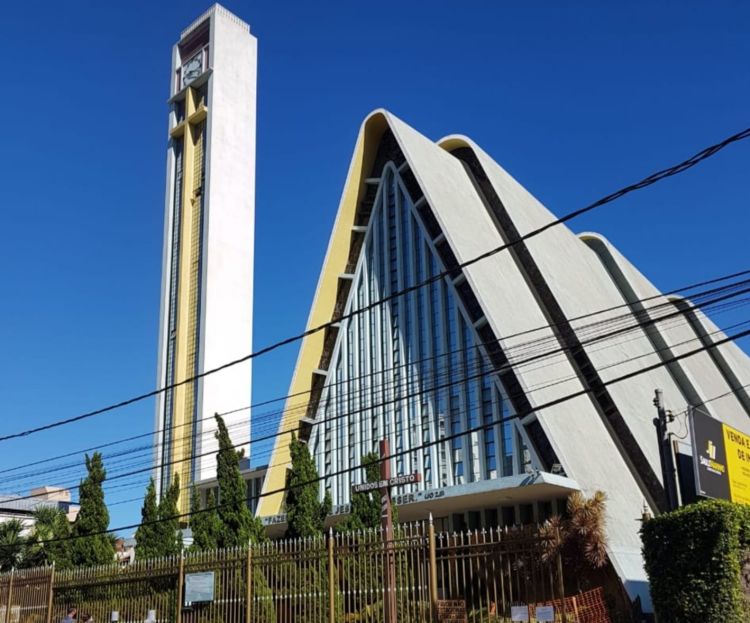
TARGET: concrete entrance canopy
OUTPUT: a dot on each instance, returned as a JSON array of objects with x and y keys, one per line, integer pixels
[
  {"x": 507, "y": 491},
  {"x": 473, "y": 496}
]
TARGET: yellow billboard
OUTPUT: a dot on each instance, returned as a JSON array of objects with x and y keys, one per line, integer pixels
[{"x": 737, "y": 447}]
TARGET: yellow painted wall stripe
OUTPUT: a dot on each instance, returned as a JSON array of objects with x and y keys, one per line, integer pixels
[
  {"x": 188, "y": 320},
  {"x": 321, "y": 312}
]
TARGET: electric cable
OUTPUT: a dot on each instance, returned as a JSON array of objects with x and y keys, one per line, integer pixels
[
  {"x": 488, "y": 371},
  {"x": 525, "y": 413},
  {"x": 448, "y": 372},
  {"x": 645, "y": 182},
  {"x": 531, "y": 390},
  {"x": 290, "y": 410}
]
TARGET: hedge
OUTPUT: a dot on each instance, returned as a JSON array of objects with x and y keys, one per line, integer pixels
[{"x": 693, "y": 560}]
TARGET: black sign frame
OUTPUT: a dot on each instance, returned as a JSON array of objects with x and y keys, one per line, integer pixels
[{"x": 709, "y": 456}]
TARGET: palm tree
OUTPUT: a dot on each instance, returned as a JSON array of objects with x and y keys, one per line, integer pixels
[
  {"x": 580, "y": 538},
  {"x": 587, "y": 526},
  {"x": 46, "y": 544},
  {"x": 12, "y": 544}
]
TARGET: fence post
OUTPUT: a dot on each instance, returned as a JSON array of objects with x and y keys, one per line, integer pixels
[
  {"x": 51, "y": 593},
  {"x": 433, "y": 568},
  {"x": 249, "y": 585},
  {"x": 180, "y": 587},
  {"x": 9, "y": 600},
  {"x": 331, "y": 580}
]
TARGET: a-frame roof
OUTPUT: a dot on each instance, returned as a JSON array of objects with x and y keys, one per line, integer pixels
[{"x": 605, "y": 439}]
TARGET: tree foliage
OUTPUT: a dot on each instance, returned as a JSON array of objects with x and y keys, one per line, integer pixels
[
  {"x": 92, "y": 545},
  {"x": 48, "y": 542},
  {"x": 168, "y": 528},
  {"x": 580, "y": 537},
  {"x": 306, "y": 516},
  {"x": 305, "y": 513},
  {"x": 365, "y": 510},
  {"x": 12, "y": 544},
  {"x": 238, "y": 526},
  {"x": 146, "y": 536},
  {"x": 694, "y": 558},
  {"x": 204, "y": 522},
  {"x": 159, "y": 532}
]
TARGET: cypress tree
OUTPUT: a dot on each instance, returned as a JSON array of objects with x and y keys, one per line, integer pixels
[
  {"x": 147, "y": 534},
  {"x": 205, "y": 525},
  {"x": 168, "y": 528},
  {"x": 92, "y": 545},
  {"x": 365, "y": 511},
  {"x": 59, "y": 550},
  {"x": 304, "y": 512},
  {"x": 238, "y": 526},
  {"x": 305, "y": 519}
]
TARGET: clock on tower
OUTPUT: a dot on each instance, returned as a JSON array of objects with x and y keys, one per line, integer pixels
[{"x": 192, "y": 68}]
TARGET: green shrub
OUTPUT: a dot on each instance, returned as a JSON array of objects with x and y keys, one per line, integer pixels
[{"x": 692, "y": 557}]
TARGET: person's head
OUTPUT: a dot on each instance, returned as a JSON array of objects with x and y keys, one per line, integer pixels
[
  {"x": 87, "y": 618},
  {"x": 72, "y": 612}
]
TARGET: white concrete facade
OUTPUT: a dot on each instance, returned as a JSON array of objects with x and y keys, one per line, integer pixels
[
  {"x": 602, "y": 439},
  {"x": 227, "y": 79}
]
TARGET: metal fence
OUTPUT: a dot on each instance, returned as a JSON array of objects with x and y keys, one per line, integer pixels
[{"x": 475, "y": 577}]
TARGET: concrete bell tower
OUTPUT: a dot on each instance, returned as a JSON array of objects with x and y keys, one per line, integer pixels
[{"x": 207, "y": 272}]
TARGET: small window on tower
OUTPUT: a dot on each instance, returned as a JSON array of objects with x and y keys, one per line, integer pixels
[
  {"x": 202, "y": 95},
  {"x": 179, "y": 111}
]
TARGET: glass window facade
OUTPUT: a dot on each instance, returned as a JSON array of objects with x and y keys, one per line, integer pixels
[{"x": 410, "y": 369}]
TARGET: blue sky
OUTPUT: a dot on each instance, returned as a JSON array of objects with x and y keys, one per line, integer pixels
[{"x": 574, "y": 99}]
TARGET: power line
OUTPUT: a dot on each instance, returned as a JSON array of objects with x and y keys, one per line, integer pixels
[
  {"x": 527, "y": 412},
  {"x": 406, "y": 365},
  {"x": 531, "y": 390},
  {"x": 645, "y": 182},
  {"x": 512, "y": 362},
  {"x": 444, "y": 439},
  {"x": 483, "y": 371},
  {"x": 724, "y": 395}
]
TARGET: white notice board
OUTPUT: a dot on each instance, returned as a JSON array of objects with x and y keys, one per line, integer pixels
[
  {"x": 545, "y": 613},
  {"x": 199, "y": 587}
]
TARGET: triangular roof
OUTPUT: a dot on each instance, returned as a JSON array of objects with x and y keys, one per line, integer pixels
[{"x": 603, "y": 441}]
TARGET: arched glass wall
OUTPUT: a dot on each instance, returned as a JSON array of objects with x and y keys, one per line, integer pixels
[{"x": 409, "y": 369}]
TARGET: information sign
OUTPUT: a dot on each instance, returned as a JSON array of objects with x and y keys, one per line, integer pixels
[
  {"x": 384, "y": 484},
  {"x": 721, "y": 456},
  {"x": 545, "y": 613},
  {"x": 199, "y": 587}
]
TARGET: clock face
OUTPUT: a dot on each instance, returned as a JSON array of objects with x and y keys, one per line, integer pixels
[{"x": 192, "y": 69}]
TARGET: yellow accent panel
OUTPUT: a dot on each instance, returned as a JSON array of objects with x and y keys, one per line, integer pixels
[
  {"x": 178, "y": 130},
  {"x": 187, "y": 301},
  {"x": 737, "y": 447},
  {"x": 322, "y": 309},
  {"x": 199, "y": 115}
]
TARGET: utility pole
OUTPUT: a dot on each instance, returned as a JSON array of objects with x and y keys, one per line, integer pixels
[
  {"x": 668, "y": 472},
  {"x": 386, "y": 521}
]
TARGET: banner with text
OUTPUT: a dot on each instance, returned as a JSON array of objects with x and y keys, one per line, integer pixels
[{"x": 721, "y": 455}]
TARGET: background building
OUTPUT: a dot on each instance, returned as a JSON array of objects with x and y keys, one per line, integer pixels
[
  {"x": 22, "y": 507},
  {"x": 207, "y": 284},
  {"x": 517, "y": 333}
]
